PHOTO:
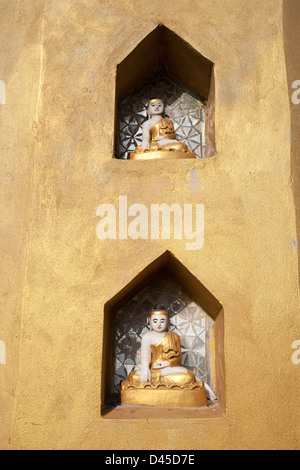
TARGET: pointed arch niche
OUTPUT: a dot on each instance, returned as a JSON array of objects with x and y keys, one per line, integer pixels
[
  {"x": 165, "y": 66},
  {"x": 195, "y": 315}
]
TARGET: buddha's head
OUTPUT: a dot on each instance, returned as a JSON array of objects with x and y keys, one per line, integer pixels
[
  {"x": 159, "y": 320},
  {"x": 155, "y": 107}
]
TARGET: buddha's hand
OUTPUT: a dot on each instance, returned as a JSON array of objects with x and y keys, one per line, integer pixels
[
  {"x": 160, "y": 365},
  {"x": 145, "y": 376}
]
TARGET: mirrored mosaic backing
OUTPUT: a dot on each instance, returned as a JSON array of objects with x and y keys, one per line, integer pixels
[
  {"x": 187, "y": 110},
  {"x": 194, "y": 327}
]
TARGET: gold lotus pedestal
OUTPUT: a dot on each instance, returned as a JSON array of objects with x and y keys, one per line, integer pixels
[
  {"x": 160, "y": 154},
  {"x": 148, "y": 394}
]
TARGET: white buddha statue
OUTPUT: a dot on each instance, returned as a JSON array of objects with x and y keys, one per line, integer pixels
[
  {"x": 160, "y": 370},
  {"x": 159, "y": 138}
]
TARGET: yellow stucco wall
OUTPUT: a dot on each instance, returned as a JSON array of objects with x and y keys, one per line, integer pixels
[{"x": 59, "y": 64}]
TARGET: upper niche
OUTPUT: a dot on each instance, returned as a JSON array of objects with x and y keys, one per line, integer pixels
[{"x": 165, "y": 66}]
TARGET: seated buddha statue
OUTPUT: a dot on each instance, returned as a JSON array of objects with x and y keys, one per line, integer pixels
[
  {"x": 159, "y": 138},
  {"x": 160, "y": 379}
]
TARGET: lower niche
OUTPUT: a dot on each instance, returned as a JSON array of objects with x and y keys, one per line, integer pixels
[{"x": 198, "y": 331}]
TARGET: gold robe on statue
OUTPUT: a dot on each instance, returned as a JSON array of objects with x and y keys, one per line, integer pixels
[{"x": 167, "y": 349}]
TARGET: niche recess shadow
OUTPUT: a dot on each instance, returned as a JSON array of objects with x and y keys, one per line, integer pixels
[
  {"x": 164, "y": 51},
  {"x": 181, "y": 276}
]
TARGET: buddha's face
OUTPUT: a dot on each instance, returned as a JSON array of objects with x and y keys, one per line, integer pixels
[
  {"x": 159, "y": 323},
  {"x": 155, "y": 108}
]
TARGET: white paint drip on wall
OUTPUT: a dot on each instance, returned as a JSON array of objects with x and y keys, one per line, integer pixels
[
  {"x": 296, "y": 355},
  {"x": 194, "y": 181},
  {"x": 2, "y": 92},
  {"x": 2, "y": 353}
]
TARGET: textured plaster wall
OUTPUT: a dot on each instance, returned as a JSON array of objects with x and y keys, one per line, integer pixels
[
  {"x": 20, "y": 37},
  {"x": 59, "y": 65}
]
